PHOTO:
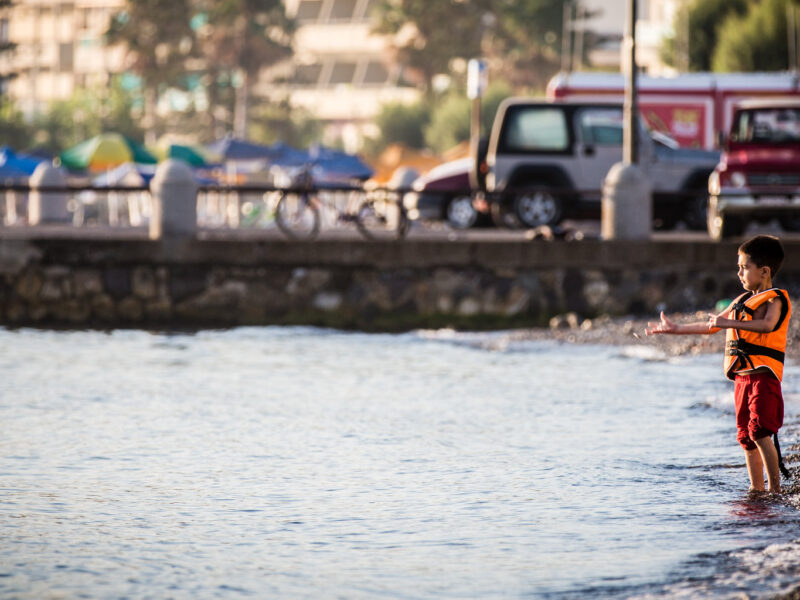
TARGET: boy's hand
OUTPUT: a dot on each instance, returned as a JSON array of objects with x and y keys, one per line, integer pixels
[{"x": 664, "y": 326}]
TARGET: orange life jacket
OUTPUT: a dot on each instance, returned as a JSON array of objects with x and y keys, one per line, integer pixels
[{"x": 746, "y": 350}]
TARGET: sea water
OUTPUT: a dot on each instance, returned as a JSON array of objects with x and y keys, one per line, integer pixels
[{"x": 309, "y": 463}]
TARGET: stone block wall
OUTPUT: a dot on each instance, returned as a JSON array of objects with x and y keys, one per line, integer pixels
[{"x": 364, "y": 285}]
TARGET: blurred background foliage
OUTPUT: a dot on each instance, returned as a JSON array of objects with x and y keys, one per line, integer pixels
[{"x": 213, "y": 51}]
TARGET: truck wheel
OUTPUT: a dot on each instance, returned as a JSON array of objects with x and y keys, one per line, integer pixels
[
  {"x": 721, "y": 226},
  {"x": 460, "y": 213},
  {"x": 538, "y": 208},
  {"x": 696, "y": 213},
  {"x": 790, "y": 223}
]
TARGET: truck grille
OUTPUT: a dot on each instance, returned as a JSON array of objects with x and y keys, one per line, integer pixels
[{"x": 774, "y": 179}]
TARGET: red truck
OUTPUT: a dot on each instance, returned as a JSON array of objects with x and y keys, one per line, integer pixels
[
  {"x": 758, "y": 177},
  {"x": 692, "y": 108}
]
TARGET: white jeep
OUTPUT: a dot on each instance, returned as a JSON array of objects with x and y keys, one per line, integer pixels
[{"x": 546, "y": 161}]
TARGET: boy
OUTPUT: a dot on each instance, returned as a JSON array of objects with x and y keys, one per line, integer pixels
[{"x": 756, "y": 326}]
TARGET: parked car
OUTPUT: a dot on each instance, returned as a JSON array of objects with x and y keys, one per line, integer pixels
[
  {"x": 444, "y": 193},
  {"x": 547, "y": 161},
  {"x": 758, "y": 176}
]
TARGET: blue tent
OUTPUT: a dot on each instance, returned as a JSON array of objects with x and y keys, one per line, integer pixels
[
  {"x": 337, "y": 164},
  {"x": 286, "y": 156},
  {"x": 231, "y": 148},
  {"x": 16, "y": 166}
]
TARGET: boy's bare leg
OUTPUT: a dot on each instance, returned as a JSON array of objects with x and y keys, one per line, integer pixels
[
  {"x": 769, "y": 456},
  {"x": 755, "y": 469}
]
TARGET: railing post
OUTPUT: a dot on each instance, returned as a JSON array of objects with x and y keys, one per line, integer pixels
[
  {"x": 48, "y": 207},
  {"x": 174, "y": 192}
]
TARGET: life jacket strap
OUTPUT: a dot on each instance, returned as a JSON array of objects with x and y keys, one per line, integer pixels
[
  {"x": 784, "y": 471},
  {"x": 745, "y": 350}
]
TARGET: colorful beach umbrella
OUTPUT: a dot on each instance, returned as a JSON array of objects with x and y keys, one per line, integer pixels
[
  {"x": 194, "y": 157},
  {"x": 104, "y": 152}
]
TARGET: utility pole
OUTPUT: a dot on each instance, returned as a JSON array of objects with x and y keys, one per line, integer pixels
[
  {"x": 630, "y": 106},
  {"x": 566, "y": 38},
  {"x": 580, "y": 29},
  {"x": 627, "y": 211},
  {"x": 791, "y": 31}
]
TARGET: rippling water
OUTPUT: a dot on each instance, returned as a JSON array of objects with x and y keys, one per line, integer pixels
[{"x": 298, "y": 462}]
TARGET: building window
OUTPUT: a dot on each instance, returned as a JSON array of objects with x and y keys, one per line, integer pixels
[
  {"x": 376, "y": 73},
  {"x": 4, "y": 31},
  {"x": 342, "y": 72},
  {"x": 309, "y": 10},
  {"x": 364, "y": 12},
  {"x": 65, "y": 55},
  {"x": 342, "y": 10},
  {"x": 306, "y": 75}
]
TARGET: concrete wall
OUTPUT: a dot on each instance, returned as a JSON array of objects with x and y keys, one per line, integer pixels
[{"x": 388, "y": 286}]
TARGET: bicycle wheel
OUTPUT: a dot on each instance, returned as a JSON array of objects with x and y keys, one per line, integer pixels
[
  {"x": 381, "y": 219},
  {"x": 297, "y": 216}
]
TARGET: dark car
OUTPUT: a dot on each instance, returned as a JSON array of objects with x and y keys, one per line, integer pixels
[{"x": 444, "y": 194}]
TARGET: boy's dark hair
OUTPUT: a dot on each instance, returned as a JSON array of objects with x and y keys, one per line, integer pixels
[{"x": 764, "y": 251}]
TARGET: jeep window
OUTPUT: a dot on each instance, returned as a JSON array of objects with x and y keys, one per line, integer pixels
[
  {"x": 601, "y": 126},
  {"x": 767, "y": 126},
  {"x": 534, "y": 128}
]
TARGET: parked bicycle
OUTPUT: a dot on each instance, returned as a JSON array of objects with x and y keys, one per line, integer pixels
[{"x": 376, "y": 214}]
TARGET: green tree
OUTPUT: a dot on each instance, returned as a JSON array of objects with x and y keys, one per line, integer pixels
[
  {"x": 756, "y": 41},
  {"x": 280, "y": 122},
  {"x": 400, "y": 123},
  {"x": 521, "y": 37},
  {"x": 705, "y": 17},
  {"x": 449, "y": 123},
  {"x": 6, "y": 47},
  {"x": 429, "y": 35},
  {"x": 450, "y": 120},
  {"x": 240, "y": 38},
  {"x": 524, "y": 40},
  {"x": 85, "y": 114},
  {"x": 158, "y": 39},
  {"x": 14, "y": 131}
]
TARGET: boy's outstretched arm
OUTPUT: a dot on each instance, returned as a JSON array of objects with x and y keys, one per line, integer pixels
[
  {"x": 768, "y": 322},
  {"x": 666, "y": 326}
]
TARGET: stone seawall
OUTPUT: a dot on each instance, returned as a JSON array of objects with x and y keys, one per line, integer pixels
[{"x": 107, "y": 283}]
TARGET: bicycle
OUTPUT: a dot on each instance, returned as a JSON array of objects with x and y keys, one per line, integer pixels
[{"x": 377, "y": 214}]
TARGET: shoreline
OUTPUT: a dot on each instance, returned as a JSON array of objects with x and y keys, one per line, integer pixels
[{"x": 622, "y": 331}]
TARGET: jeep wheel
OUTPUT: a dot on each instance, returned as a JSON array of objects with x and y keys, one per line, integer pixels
[
  {"x": 537, "y": 208},
  {"x": 503, "y": 216},
  {"x": 722, "y": 226},
  {"x": 460, "y": 213}
]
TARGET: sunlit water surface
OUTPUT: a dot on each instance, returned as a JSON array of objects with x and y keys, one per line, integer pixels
[{"x": 299, "y": 462}]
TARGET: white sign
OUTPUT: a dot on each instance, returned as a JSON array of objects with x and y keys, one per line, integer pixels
[{"x": 477, "y": 78}]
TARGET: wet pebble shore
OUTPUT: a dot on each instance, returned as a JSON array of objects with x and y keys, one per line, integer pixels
[{"x": 621, "y": 331}]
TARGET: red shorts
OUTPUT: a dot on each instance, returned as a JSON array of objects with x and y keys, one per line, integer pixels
[{"x": 759, "y": 407}]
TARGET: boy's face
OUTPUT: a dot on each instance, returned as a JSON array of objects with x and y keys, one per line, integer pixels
[{"x": 751, "y": 276}]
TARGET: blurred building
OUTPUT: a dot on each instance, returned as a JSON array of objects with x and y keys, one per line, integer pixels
[
  {"x": 341, "y": 72},
  {"x": 656, "y": 20},
  {"x": 59, "y": 47}
]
